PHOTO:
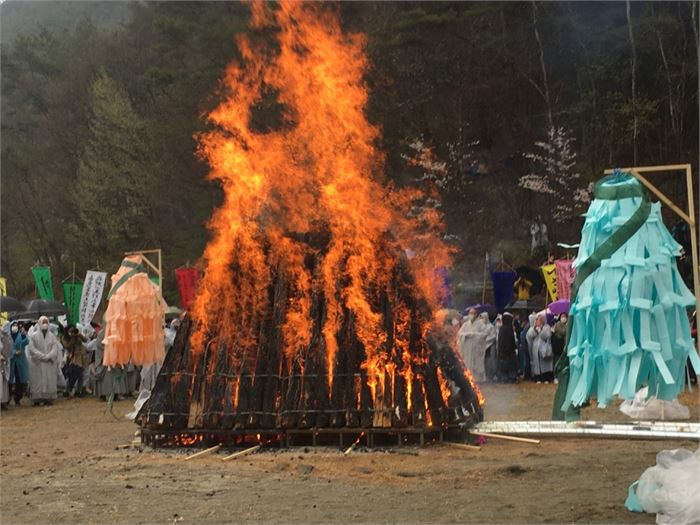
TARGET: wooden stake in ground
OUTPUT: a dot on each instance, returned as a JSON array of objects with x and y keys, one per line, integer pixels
[
  {"x": 463, "y": 446},
  {"x": 204, "y": 452},
  {"x": 507, "y": 438},
  {"x": 352, "y": 447},
  {"x": 241, "y": 453}
]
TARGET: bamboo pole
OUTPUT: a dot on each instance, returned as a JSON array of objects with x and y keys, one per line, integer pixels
[
  {"x": 350, "y": 448},
  {"x": 656, "y": 191},
  {"x": 241, "y": 453},
  {"x": 205, "y": 452},
  {"x": 160, "y": 270},
  {"x": 483, "y": 286},
  {"x": 507, "y": 438},
  {"x": 693, "y": 245},
  {"x": 462, "y": 446},
  {"x": 648, "y": 169}
]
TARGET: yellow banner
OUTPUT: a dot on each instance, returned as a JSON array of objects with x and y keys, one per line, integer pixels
[
  {"x": 3, "y": 292},
  {"x": 550, "y": 278}
]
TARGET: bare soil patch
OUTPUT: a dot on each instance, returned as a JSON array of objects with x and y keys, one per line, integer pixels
[{"x": 60, "y": 464}]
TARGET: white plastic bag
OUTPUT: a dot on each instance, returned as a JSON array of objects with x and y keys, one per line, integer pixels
[
  {"x": 652, "y": 408},
  {"x": 671, "y": 488},
  {"x": 143, "y": 397}
]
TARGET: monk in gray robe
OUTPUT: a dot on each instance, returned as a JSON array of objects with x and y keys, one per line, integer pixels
[
  {"x": 6, "y": 345},
  {"x": 105, "y": 382},
  {"x": 43, "y": 352}
]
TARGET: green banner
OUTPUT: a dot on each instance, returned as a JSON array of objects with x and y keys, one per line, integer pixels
[
  {"x": 71, "y": 295},
  {"x": 42, "y": 276},
  {"x": 154, "y": 279}
]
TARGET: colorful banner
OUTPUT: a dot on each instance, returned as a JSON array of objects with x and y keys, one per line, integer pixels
[
  {"x": 3, "y": 292},
  {"x": 187, "y": 284},
  {"x": 565, "y": 278},
  {"x": 503, "y": 289},
  {"x": 91, "y": 296},
  {"x": 550, "y": 279},
  {"x": 44, "y": 286},
  {"x": 72, "y": 293}
]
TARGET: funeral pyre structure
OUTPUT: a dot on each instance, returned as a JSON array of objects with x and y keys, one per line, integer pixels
[{"x": 316, "y": 307}]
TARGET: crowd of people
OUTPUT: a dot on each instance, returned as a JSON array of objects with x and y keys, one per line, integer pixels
[
  {"x": 511, "y": 349},
  {"x": 46, "y": 359}
]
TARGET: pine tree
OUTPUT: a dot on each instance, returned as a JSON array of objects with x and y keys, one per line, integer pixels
[{"x": 112, "y": 188}]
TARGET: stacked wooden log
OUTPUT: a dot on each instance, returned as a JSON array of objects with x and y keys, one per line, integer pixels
[{"x": 422, "y": 383}]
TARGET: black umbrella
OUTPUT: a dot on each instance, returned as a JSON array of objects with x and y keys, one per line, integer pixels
[
  {"x": 39, "y": 307},
  {"x": 10, "y": 304}
]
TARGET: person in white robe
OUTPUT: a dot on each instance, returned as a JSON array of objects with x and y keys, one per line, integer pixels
[
  {"x": 44, "y": 352},
  {"x": 470, "y": 342}
]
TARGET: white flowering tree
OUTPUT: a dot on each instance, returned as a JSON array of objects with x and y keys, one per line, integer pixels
[
  {"x": 554, "y": 175},
  {"x": 449, "y": 175},
  {"x": 438, "y": 178}
]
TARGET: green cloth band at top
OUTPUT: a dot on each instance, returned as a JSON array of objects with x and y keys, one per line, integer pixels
[
  {"x": 590, "y": 265},
  {"x": 623, "y": 190},
  {"x": 137, "y": 268}
]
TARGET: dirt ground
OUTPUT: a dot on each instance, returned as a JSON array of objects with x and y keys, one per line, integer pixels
[{"x": 60, "y": 464}]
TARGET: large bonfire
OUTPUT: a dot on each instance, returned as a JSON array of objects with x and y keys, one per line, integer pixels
[{"x": 316, "y": 306}]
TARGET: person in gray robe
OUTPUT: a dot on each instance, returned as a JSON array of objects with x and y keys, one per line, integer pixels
[
  {"x": 105, "y": 382},
  {"x": 541, "y": 356},
  {"x": 6, "y": 345},
  {"x": 44, "y": 352},
  {"x": 133, "y": 378},
  {"x": 149, "y": 373}
]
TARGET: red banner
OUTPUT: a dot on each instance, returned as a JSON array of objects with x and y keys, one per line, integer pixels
[{"x": 187, "y": 284}]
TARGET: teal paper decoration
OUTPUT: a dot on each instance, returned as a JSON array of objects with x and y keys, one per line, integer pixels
[{"x": 628, "y": 322}]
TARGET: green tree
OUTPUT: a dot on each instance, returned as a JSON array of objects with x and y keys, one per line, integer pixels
[{"x": 113, "y": 183}]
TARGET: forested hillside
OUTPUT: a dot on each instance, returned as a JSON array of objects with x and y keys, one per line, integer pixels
[{"x": 507, "y": 110}]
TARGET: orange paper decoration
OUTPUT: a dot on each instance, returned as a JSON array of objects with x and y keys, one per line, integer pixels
[{"x": 135, "y": 314}]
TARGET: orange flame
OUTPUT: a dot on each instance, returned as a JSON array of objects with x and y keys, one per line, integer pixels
[
  {"x": 475, "y": 387},
  {"x": 444, "y": 388},
  {"x": 428, "y": 417},
  {"x": 316, "y": 171}
]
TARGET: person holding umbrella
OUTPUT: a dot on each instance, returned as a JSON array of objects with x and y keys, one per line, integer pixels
[
  {"x": 19, "y": 367},
  {"x": 43, "y": 351}
]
